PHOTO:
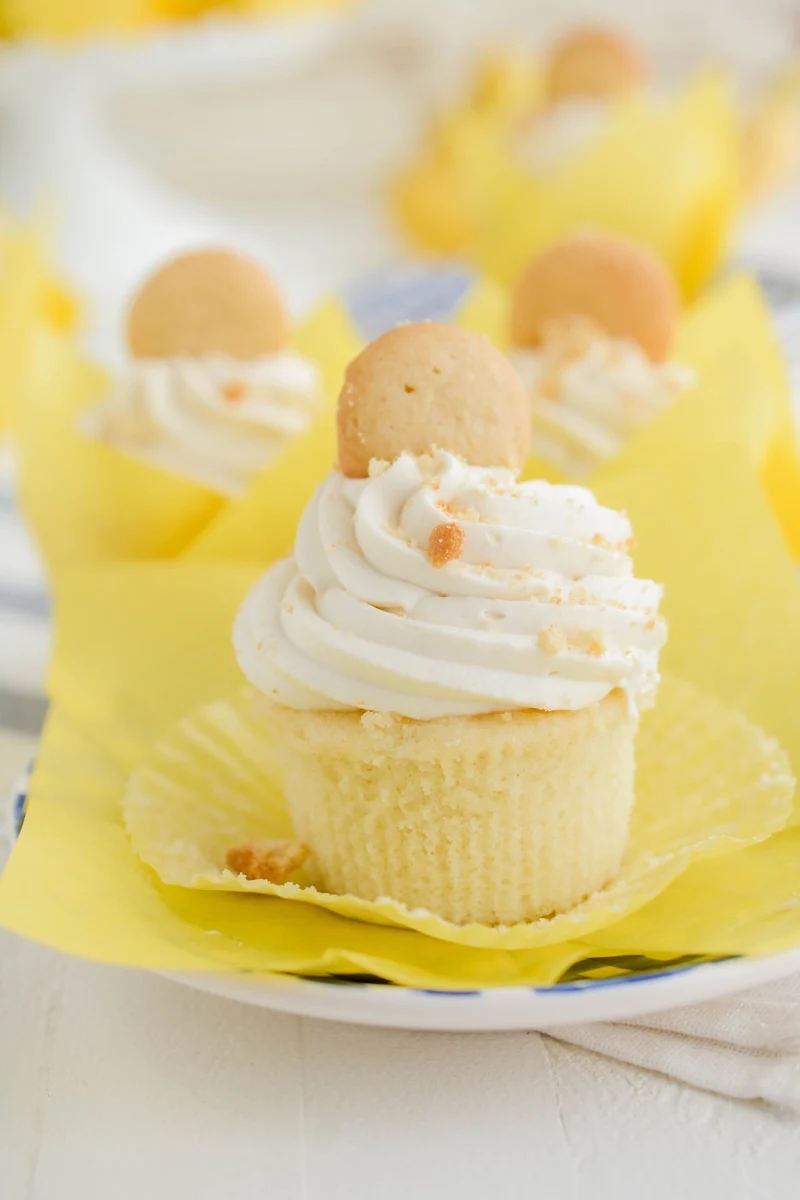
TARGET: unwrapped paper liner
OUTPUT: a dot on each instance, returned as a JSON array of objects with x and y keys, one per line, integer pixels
[
  {"x": 708, "y": 782},
  {"x": 666, "y": 172}
]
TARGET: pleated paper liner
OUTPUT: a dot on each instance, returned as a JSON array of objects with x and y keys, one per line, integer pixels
[
  {"x": 664, "y": 171},
  {"x": 75, "y": 882},
  {"x": 707, "y": 782}
]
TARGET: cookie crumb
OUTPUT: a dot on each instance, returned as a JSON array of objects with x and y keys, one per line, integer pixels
[
  {"x": 589, "y": 641},
  {"x": 552, "y": 640},
  {"x": 235, "y": 390},
  {"x": 445, "y": 543},
  {"x": 274, "y": 860},
  {"x": 376, "y": 720}
]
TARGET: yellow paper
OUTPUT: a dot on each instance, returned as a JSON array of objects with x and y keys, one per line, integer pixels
[
  {"x": 750, "y": 910},
  {"x": 138, "y": 646},
  {"x": 84, "y": 501},
  {"x": 87, "y": 502},
  {"x": 707, "y": 783},
  {"x": 21, "y": 281},
  {"x": 665, "y": 174}
]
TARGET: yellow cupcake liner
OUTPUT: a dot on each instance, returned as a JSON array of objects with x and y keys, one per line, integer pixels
[
  {"x": 707, "y": 782},
  {"x": 664, "y": 172}
]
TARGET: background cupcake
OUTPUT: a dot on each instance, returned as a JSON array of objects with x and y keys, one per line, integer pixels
[
  {"x": 592, "y": 324},
  {"x": 213, "y": 391},
  {"x": 452, "y": 662},
  {"x": 587, "y": 70}
]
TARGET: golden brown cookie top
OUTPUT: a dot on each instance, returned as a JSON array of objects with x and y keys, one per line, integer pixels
[
  {"x": 619, "y": 285},
  {"x": 205, "y": 302},
  {"x": 432, "y": 386},
  {"x": 594, "y": 61}
]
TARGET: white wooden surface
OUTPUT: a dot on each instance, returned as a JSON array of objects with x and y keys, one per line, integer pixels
[{"x": 117, "y": 1085}]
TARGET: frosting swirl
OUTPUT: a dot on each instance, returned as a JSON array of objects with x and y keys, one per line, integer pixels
[
  {"x": 538, "y": 609},
  {"x": 215, "y": 419},
  {"x": 585, "y": 412}
]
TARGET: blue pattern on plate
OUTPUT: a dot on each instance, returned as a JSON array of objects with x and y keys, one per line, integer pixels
[{"x": 411, "y": 292}]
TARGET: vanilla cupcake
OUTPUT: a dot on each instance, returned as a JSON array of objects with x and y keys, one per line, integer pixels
[
  {"x": 587, "y": 70},
  {"x": 452, "y": 662},
  {"x": 213, "y": 391},
  {"x": 593, "y": 320}
]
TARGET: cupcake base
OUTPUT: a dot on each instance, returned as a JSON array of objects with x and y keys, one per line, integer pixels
[{"x": 494, "y": 819}]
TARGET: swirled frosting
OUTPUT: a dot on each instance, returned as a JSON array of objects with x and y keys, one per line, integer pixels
[
  {"x": 215, "y": 419},
  {"x": 585, "y": 411},
  {"x": 536, "y": 605}
]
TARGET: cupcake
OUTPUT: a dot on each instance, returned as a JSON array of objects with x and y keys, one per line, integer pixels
[
  {"x": 593, "y": 320},
  {"x": 452, "y": 663},
  {"x": 212, "y": 392},
  {"x": 586, "y": 72}
]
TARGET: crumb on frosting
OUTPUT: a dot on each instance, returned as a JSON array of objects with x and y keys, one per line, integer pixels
[
  {"x": 445, "y": 543},
  {"x": 273, "y": 860},
  {"x": 590, "y": 641},
  {"x": 552, "y": 640}
]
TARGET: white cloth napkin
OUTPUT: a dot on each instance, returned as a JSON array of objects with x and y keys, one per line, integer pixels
[{"x": 745, "y": 1046}]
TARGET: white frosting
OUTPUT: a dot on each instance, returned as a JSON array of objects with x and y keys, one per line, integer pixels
[
  {"x": 562, "y": 130},
  {"x": 540, "y": 610},
  {"x": 215, "y": 419},
  {"x": 603, "y": 397}
]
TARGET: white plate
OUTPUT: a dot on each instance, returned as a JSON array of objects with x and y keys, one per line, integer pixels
[{"x": 383, "y": 1004}]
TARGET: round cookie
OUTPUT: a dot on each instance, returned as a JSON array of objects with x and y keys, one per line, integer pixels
[
  {"x": 427, "y": 386},
  {"x": 204, "y": 302},
  {"x": 595, "y": 62},
  {"x": 621, "y": 286}
]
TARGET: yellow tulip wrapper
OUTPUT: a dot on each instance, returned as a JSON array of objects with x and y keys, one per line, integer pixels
[
  {"x": 84, "y": 501},
  {"x": 87, "y": 502},
  {"x": 707, "y": 781},
  {"x": 666, "y": 173},
  {"x": 139, "y": 646}
]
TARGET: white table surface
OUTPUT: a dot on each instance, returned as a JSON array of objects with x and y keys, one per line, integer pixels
[{"x": 118, "y": 1085}]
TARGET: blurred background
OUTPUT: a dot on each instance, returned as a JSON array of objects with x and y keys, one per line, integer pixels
[{"x": 277, "y": 127}]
